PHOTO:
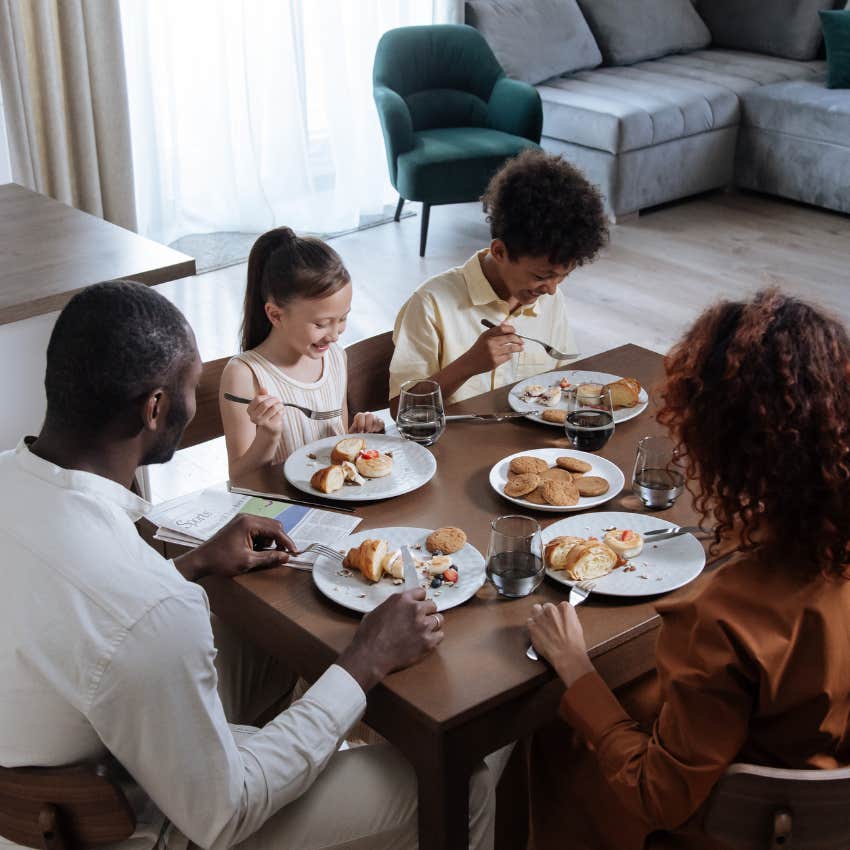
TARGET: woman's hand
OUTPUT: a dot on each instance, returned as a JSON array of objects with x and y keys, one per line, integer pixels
[
  {"x": 266, "y": 412},
  {"x": 557, "y": 635},
  {"x": 366, "y": 423}
]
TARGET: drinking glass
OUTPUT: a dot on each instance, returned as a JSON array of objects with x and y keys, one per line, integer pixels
[
  {"x": 421, "y": 415},
  {"x": 658, "y": 477},
  {"x": 514, "y": 559},
  {"x": 590, "y": 419}
]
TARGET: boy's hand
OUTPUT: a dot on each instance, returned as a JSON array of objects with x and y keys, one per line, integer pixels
[
  {"x": 494, "y": 347},
  {"x": 366, "y": 423},
  {"x": 266, "y": 412}
]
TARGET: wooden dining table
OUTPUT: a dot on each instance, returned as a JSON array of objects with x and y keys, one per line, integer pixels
[{"x": 478, "y": 691}]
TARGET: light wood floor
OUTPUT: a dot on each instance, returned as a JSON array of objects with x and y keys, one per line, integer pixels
[{"x": 656, "y": 275}]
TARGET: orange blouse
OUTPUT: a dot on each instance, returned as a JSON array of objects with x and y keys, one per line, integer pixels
[{"x": 755, "y": 668}]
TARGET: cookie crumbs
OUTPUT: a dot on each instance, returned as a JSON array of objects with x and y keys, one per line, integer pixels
[
  {"x": 363, "y": 595},
  {"x": 312, "y": 456},
  {"x": 610, "y": 528},
  {"x": 643, "y": 577},
  {"x": 398, "y": 581},
  {"x": 344, "y": 573}
]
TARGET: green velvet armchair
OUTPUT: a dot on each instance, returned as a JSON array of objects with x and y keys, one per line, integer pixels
[{"x": 449, "y": 114}]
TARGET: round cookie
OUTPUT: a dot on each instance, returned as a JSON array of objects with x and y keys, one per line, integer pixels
[
  {"x": 556, "y": 474},
  {"x": 526, "y": 463},
  {"x": 521, "y": 485},
  {"x": 573, "y": 464},
  {"x": 560, "y": 493},
  {"x": 591, "y": 485},
  {"x": 536, "y": 497},
  {"x": 554, "y": 415},
  {"x": 446, "y": 540}
]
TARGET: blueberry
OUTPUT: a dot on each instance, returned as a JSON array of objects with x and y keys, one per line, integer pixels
[{"x": 436, "y": 581}]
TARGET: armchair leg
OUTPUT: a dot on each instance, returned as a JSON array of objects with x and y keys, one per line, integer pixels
[
  {"x": 423, "y": 234},
  {"x": 399, "y": 205}
]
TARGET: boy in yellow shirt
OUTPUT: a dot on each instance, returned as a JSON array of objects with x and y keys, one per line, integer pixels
[{"x": 545, "y": 219}]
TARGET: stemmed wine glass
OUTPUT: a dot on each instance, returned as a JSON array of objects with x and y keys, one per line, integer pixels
[{"x": 421, "y": 415}]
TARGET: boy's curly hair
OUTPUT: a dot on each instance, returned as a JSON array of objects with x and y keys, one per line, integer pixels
[{"x": 541, "y": 206}]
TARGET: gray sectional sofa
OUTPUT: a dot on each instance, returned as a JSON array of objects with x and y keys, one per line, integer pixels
[{"x": 660, "y": 111}]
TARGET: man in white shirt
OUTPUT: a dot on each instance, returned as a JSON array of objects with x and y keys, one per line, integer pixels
[
  {"x": 107, "y": 648},
  {"x": 545, "y": 221}
]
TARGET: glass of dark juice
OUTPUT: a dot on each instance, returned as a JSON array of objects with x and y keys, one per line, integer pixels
[
  {"x": 590, "y": 417},
  {"x": 514, "y": 558}
]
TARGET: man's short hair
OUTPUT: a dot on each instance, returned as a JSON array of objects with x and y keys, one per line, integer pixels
[
  {"x": 541, "y": 206},
  {"x": 112, "y": 343}
]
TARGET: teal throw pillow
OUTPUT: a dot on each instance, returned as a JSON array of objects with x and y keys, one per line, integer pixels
[{"x": 836, "y": 34}]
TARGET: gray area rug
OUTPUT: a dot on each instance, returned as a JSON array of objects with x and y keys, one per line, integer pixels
[{"x": 220, "y": 250}]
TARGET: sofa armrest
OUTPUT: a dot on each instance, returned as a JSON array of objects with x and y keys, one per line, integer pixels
[
  {"x": 515, "y": 108},
  {"x": 396, "y": 124}
]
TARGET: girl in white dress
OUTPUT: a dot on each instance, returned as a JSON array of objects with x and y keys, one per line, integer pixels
[{"x": 296, "y": 304}]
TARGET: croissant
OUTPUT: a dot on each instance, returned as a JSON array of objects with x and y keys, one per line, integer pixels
[
  {"x": 328, "y": 480},
  {"x": 368, "y": 558},
  {"x": 555, "y": 552},
  {"x": 624, "y": 393},
  {"x": 347, "y": 449},
  {"x": 590, "y": 559}
]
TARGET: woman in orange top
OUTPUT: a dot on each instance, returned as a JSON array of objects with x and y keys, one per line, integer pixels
[{"x": 755, "y": 666}]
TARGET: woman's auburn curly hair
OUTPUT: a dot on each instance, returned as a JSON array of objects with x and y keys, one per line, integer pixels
[
  {"x": 541, "y": 206},
  {"x": 758, "y": 397}
]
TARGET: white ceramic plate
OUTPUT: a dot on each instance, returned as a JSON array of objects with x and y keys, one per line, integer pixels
[
  {"x": 413, "y": 466},
  {"x": 547, "y": 379},
  {"x": 661, "y": 567},
  {"x": 599, "y": 466},
  {"x": 357, "y": 593}
]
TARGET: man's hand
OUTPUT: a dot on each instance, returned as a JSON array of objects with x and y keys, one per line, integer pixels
[
  {"x": 399, "y": 632},
  {"x": 366, "y": 423},
  {"x": 240, "y": 546},
  {"x": 557, "y": 635},
  {"x": 494, "y": 347}
]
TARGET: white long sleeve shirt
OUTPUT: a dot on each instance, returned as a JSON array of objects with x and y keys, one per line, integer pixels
[{"x": 105, "y": 647}]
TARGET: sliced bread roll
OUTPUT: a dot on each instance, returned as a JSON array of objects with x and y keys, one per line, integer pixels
[
  {"x": 328, "y": 480},
  {"x": 368, "y": 558},
  {"x": 624, "y": 393},
  {"x": 590, "y": 559},
  {"x": 556, "y": 551},
  {"x": 348, "y": 449}
]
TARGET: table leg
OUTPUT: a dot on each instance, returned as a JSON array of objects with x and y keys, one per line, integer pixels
[{"x": 443, "y": 801}]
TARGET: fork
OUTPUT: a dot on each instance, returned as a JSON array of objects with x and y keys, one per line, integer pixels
[
  {"x": 326, "y": 551},
  {"x": 552, "y": 352},
  {"x": 318, "y": 415},
  {"x": 578, "y": 594}
]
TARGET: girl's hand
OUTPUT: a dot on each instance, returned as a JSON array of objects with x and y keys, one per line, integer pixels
[
  {"x": 557, "y": 635},
  {"x": 266, "y": 412},
  {"x": 366, "y": 423}
]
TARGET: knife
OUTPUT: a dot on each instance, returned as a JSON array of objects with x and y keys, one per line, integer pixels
[
  {"x": 411, "y": 579},
  {"x": 484, "y": 417}
]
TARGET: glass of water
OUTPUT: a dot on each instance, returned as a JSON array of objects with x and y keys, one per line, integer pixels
[
  {"x": 421, "y": 416},
  {"x": 514, "y": 559},
  {"x": 658, "y": 477}
]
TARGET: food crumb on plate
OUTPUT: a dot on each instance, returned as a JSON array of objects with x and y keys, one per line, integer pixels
[{"x": 312, "y": 456}]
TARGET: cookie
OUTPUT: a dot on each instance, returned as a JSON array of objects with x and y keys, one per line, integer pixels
[
  {"x": 446, "y": 540},
  {"x": 554, "y": 415},
  {"x": 591, "y": 485},
  {"x": 556, "y": 474},
  {"x": 525, "y": 463},
  {"x": 521, "y": 485},
  {"x": 573, "y": 464},
  {"x": 560, "y": 493},
  {"x": 536, "y": 497}
]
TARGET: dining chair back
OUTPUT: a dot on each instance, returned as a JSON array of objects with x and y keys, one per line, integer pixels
[
  {"x": 63, "y": 808},
  {"x": 762, "y": 808},
  {"x": 369, "y": 373},
  {"x": 206, "y": 424}
]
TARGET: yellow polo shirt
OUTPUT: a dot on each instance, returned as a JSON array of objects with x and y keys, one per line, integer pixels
[{"x": 442, "y": 320}]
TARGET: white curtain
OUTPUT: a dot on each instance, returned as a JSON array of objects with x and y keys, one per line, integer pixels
[{"x": 248, "y": 114}]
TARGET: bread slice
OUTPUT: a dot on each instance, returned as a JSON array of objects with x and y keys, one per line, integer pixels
[
  {"x": 347, "y": 449},
  {"x": 555, "y": 552},
  {"x": 624, "y": 393},
  {"x": 328, "y": 480},
  {"x": 588, "y": 560}
]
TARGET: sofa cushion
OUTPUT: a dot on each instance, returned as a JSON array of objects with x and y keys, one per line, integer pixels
[
  {"x": 836, "y": 32},
  {"x": 806, "y": 109},
  {"x": 535, "y": 41},
  {"x": 787, "y": 28},
  {"x": 622, "y": 109},
  {"x": 633, "y": 31}
]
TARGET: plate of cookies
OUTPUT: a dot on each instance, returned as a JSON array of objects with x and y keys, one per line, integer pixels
[
  {"x": 544, "y": 397},
  {"x": 450, "y": 569},
  {"x": 556, "y": 479},
  {"x": 608, "y": 550},
  {"x": 360, "y": 467}
]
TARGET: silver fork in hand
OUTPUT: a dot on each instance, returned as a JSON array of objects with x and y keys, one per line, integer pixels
[
  {"x": 578, "y": 594},
  {"x": 325, "y": 551},
  {"x": 552, "y": 352},
  {"x": 318, "y": 415}
]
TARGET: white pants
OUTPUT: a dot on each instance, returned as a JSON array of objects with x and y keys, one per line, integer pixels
[{"x": 365, "y": 799}]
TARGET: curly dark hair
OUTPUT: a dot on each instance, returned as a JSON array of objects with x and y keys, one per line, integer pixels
[
  {"x": 758, "y": 397},
  {"x": 541, "y": 206},
  {"x": 112, "y": 343}
]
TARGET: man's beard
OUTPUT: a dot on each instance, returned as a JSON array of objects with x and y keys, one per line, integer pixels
[{"x": 175, "y": 425}]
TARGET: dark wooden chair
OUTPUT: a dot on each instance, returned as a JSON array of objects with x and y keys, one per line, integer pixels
[
  {"x": 369, "y": 373},
  {"x": 764, "y": 808},
  {"x": 207, "y": 422},
  {"x": 63, "y": 808}
]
